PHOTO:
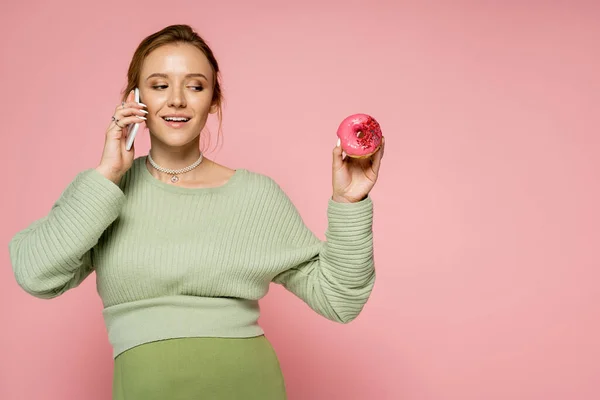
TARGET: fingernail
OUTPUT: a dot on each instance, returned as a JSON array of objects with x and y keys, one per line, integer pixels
[
  {"x": 338, "y": 143},
  {"x": 144, "y": 111},
  {"x": 144, "y": 118},
  {"x": 142, "y": 104}
]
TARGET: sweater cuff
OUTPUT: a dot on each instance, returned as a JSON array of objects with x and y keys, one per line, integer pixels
[{"x": 348, "y": 219}]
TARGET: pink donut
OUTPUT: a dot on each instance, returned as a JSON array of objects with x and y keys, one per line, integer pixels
[{"x": 360, "y": 135}]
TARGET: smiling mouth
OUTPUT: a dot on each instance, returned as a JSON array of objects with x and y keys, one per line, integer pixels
[{"x": 176, "y": 119}]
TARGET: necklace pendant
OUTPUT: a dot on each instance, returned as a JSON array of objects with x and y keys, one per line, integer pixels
[{"x": 175, "y": 179}]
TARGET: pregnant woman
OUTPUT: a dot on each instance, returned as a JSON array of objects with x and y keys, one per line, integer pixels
[{"x": 183, "y": 247}]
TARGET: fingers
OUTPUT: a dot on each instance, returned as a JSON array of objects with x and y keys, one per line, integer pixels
[
  {"x": 121, "y": 123},
  {"x": 130, "y": 106},
  {"x": 127, "y": 113},
  {"x": 337, "y": 156},
  {"x": 130, "y": 101}
]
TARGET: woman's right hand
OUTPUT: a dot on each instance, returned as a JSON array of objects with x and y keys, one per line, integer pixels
[{"x": 116, "y": 160}]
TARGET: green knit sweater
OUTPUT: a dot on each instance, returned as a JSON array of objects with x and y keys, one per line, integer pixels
[{"x": 180, "y": 262}]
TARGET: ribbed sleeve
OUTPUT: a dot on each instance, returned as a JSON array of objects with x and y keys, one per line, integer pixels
[
  {"x": 173, "y": 261},
  {"x": 52, "y": 254},
  {"x": 336, "y": 276}
]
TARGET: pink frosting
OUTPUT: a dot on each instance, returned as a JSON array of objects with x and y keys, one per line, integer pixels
[{"x": 360, "y": 135}]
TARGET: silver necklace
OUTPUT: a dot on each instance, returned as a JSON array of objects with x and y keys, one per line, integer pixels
[{"x": 174, "y": 172}]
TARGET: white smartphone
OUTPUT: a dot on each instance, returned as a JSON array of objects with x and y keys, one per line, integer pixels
[{"x": 133, "y": 129}]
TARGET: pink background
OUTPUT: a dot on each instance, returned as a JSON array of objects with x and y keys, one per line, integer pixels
[{"x": 487, "y": 220}]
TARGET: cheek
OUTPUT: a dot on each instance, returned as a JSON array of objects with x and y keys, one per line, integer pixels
[
  {"x": 154, "y": 122},
  {"x": 202, "y": 103}
]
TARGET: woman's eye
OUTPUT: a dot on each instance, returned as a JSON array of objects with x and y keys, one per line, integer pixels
[{"x": 196, "y": 88}]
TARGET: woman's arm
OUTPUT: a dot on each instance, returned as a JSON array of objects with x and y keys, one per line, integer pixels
[
  {"x": 53, "y": 254},
  {"x": 334, "y": 277}
]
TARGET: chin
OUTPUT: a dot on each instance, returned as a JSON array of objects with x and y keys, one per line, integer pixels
[{"x": 175, "y": 137}]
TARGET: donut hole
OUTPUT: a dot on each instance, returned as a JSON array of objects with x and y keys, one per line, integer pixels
[{"x": 360, "y": 134}]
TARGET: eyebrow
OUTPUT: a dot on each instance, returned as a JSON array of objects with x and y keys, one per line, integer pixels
[{"x": 159, "y": 75}]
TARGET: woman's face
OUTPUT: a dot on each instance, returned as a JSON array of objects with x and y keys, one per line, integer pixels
[{"x": 176, "y": 85}]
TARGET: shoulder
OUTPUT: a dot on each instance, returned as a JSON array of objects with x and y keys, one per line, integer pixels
[
  {"x": 261, "y": 181},
  {"x": 266, "y": 189}
]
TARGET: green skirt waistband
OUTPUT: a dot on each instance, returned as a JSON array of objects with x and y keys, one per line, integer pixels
[{"x": 199, "y": 368}]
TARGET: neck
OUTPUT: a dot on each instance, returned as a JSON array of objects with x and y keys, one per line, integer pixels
[{"x": 174, "y": 157}]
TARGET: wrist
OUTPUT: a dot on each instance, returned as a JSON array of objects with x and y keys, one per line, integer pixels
[
  {"x": 341, "y": 199},
  {"x": 115, "y": 178}
]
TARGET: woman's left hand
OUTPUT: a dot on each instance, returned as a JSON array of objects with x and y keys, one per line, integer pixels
[{"x": 353, "y": 178}]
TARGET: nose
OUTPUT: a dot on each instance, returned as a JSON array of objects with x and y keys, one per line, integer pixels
[{"x": 177, "y": 98}]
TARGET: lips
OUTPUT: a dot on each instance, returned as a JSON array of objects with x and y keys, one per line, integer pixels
[
  {"x": 170, "y": 118},
  {"x": 176, "y": 121}
]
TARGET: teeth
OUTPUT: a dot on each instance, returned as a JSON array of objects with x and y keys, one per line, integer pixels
[{"x": 177, "y": 119}]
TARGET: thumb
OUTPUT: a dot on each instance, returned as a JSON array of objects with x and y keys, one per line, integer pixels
[
  {"x": 130, "y": 97},
  {"x": 117, "y": 133},
  {"x": 337, "y": 156}
]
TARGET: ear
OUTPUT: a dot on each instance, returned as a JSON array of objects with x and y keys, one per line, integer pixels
[{"x": 213, "y": 108}]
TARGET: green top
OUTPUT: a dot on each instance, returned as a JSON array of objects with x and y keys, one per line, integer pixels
[{"x": 182, "y": 262}]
